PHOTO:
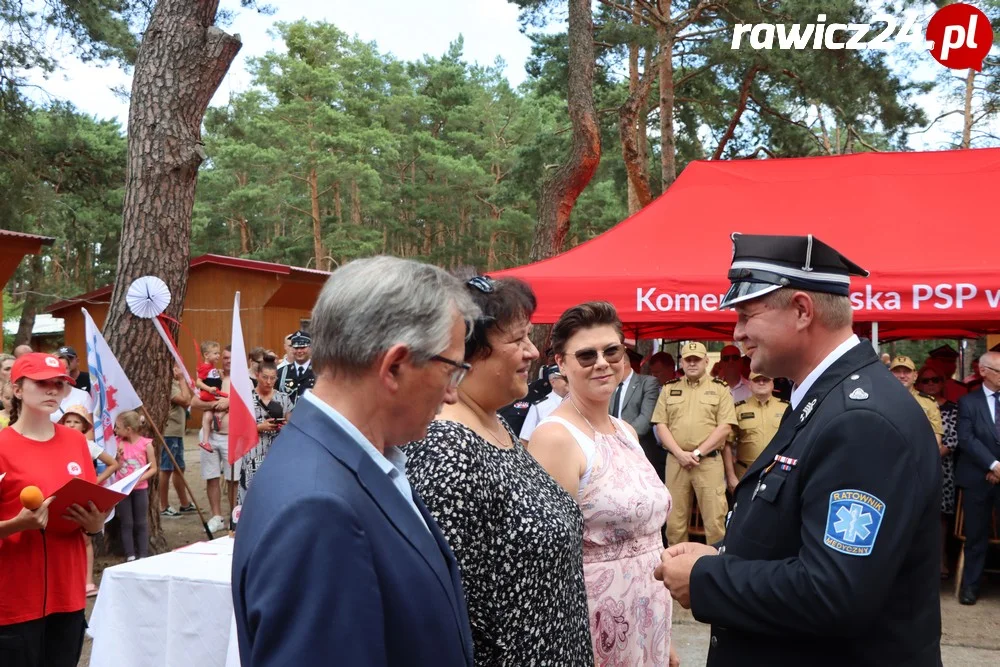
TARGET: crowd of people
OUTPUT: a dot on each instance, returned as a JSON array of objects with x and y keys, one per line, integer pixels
[{"x": 411, "y": 488}]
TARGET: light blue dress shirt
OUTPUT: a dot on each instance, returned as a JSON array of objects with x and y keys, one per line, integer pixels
[{"x": 392, "y": 463}]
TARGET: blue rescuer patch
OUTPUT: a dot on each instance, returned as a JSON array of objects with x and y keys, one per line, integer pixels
[{"x": 852, "y": 522}]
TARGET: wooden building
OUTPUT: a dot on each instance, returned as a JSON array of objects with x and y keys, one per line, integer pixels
[
  {"x": 275, "y": 300},
  {"x": 13, "y": 247}
]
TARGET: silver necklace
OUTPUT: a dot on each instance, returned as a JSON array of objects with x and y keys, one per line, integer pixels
[{"x": 584, "y": 418}]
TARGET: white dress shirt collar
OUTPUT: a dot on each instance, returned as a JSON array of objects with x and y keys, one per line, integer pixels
[{"x": 799, "y": 392}]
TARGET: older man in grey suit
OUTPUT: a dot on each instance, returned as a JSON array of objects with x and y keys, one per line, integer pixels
[{"x": 634, "y": 401}]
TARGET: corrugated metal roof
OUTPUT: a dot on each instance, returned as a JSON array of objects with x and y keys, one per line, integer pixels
[
  {"x": 44, "y": 240},
  {"x": 45, "y": 325}
]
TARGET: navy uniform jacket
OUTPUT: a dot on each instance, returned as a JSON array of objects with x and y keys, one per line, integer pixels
[
  {"x": 832, "y": 554},
  {"x": 289, "y": 383}
]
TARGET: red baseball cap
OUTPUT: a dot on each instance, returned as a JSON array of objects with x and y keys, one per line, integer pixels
[{"x": 40, "y": 366}]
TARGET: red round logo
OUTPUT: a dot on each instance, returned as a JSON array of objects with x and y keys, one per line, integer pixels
[{"x": 962, "y": 36}]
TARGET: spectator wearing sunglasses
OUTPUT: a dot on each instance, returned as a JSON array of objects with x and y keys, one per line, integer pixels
[
  {"x": 517, "y": 534},
  {"x": 906, "y": 372},
  {"x": 597, "y": 458},
  {"x": 731, "y": 371},
  {"x": 930, "y": 382},
  {"x": 694, "y": 415}
]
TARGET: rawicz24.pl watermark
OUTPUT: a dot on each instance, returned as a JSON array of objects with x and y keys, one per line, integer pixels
[{"x": 958, "y": 36}]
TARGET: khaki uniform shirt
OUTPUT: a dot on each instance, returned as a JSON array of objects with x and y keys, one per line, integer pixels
[
  {"x": 758, "y": 422},
  {"x": 931, "y": 409},
  {"x": 176, "y": 417},
  {"x": 693, "y": 410}
]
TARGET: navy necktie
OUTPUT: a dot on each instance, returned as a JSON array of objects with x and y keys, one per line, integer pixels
[{"x": 616, "y": 399}]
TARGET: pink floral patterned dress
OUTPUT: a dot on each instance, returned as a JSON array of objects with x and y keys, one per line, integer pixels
[{"x": 624, "y": 505}]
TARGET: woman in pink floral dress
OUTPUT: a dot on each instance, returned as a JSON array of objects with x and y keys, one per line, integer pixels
[{"x": 598, "y": 460}]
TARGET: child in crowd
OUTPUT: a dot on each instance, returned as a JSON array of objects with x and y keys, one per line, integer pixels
[
  {"x": 134, "y": 451},
  {"x": 76, "y": 418},
  {"x": 209, "y": 383},
  {"x": 6, "y": 393}
]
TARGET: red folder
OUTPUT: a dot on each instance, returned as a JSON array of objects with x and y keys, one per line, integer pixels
[{"x": 79, "y": 492}]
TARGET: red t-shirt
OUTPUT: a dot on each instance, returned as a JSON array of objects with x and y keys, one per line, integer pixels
[{"x": 47, "y": 465}]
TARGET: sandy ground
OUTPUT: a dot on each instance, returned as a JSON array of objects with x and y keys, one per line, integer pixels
[{"x": 970, "y": 635}]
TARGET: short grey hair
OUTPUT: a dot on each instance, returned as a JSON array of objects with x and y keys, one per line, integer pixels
[
  {"x": 988, "y": 356},
  {"x": 6, "y": 357},
  {"x": 833, "y": 311},
  {"x": 369, "y": 305}
]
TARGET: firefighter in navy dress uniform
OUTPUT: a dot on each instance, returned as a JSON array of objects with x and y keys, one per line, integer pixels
[
  {"x": 296, "y": 377},
  {"x": 832, "y": 549}
]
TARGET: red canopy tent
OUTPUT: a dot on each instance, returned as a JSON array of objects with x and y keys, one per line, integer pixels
[{"x": 920, "y": 222}]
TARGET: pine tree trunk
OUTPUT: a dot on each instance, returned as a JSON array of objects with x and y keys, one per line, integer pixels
[
  {"x": 30, "y": 308},
  {"x": 668, "y": 149},
  {"x": 355, "y": 203},
  {"x": 181, "y": 62},
  {"x": 967, "y": 115},
  {"x": 630, "y": 124},
  {"x": 338, "y": 207},
  {"x": 317, "y": 221},
  {"x": 559, "y": 193}
]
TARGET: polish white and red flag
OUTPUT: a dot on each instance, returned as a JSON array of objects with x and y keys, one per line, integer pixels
[
  {"x": 242, "y": 422},
  {"x": 109, "y": 387}
]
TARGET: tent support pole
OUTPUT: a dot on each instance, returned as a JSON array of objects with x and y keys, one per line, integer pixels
[{"x": 875, "y": 336}]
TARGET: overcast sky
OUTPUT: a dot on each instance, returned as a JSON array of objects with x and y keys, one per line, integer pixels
[{"x": 406, "y": 28}]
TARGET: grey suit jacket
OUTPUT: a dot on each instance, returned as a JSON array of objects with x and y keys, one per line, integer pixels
[{"x": 638, "y": 406}]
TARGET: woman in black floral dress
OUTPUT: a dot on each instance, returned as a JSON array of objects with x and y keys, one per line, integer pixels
[
  {"x": 931, "y": 382},
  {"x": 517, "y": 534}
]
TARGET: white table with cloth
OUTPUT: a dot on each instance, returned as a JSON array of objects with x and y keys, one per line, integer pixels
[{"x": 170, "y": 610}]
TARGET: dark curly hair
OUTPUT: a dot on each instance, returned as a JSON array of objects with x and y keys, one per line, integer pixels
[
  {"x": 502, "y": 303},
  {"x": 585, "y": 316}
]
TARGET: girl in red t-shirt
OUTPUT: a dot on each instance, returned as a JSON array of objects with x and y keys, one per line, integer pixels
[{"x": 42, "y": 572}]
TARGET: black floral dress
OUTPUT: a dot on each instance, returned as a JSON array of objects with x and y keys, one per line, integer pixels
[
  {"x": 949, "y": 421},
  {"x": 252, "y": 459},
  {"x": 518, "y": 539}
]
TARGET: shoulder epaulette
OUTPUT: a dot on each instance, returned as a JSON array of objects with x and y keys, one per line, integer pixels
[
  {"x": 925, "y": 395},
  {"x": 722, "y": 382},
  {"x": 739, "y": 403},
  {"x": 781, "y": 400},
  {"x": 674, "y": 381}
]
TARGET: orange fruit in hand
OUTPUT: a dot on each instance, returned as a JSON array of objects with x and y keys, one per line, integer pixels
[{"x": 31, "y": 497}]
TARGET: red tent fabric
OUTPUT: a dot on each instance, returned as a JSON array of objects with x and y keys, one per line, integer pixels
[{"x": 920, "y": 222}]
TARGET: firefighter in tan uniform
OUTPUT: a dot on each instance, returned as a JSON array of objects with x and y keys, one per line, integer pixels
[
  {"x": 694, "y": 414},
  {"x": 758, "y": 419},
  {"x": 906, "y": 372}
]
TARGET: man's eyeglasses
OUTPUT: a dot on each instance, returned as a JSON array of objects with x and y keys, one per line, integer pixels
[
  {"x": 931, "y": 380},
  {"x": 457, "y": 375},
  {"x": 730, "y": 357},
  {"x": 588, "y": 357}
]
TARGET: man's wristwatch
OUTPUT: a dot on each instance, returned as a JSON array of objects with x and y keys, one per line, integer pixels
[{"x": 696, "y": 454}]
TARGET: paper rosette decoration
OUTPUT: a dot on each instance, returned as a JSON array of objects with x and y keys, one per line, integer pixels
[{"x": 147, "y": 297}]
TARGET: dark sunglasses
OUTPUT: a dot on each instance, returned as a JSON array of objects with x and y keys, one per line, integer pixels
[
  {"x": 730, "y": 357},
  {"x": 482, "y": 283},
  {"x": 933, "y": 380},
  {"x": 588, "y": 357}
]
